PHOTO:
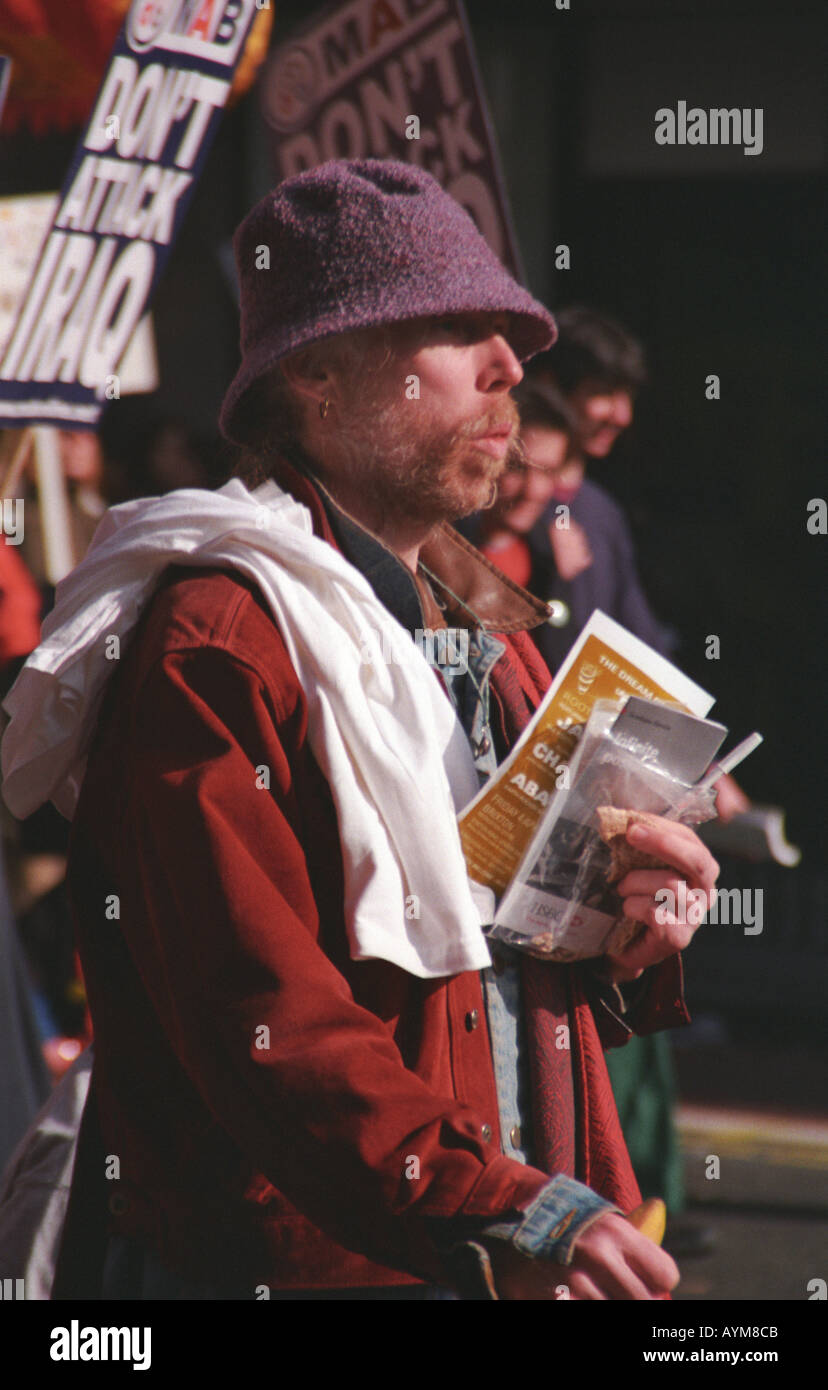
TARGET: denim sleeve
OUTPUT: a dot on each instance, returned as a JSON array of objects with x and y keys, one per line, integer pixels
[{"x": 547, "y": 1229}]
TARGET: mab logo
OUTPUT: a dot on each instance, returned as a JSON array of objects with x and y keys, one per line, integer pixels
[{"x": 213, "y": 29}]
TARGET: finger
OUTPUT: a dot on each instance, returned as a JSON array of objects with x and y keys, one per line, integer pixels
[
  {"x": 676, "y": 900},
  {"x": 663, "y": 926},
  {"x": 655, "y": 1267},
  {"x": 679, "y": 847},
  {"x": 603, "y": 1254},
  {"x": 649, "y": 881},
  {"x": 582, "y": 1287},
  {"x": 616, "y": 1279},
  {"x": 656, "y": 944},
  {"x": 651, "y": 1264}
]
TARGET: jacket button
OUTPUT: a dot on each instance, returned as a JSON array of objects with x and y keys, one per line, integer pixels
[
  {"x": 486, "y": 1133},
  {"x": 514, "y": 1136},
  {"x": 472, "y": 1020},
  {"x": 559, "y": 613},
  {"x": 118, "y": 1204}
]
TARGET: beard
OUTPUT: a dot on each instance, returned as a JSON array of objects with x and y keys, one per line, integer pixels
[{"x": 405, "y": 469}]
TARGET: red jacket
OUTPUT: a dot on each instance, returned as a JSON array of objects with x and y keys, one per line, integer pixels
[{"x": 262, "y": 1092}]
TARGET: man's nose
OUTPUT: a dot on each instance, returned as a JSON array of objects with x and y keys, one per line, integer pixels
[
  {"x": 622, "y": 410},
  {"x": 500, "y": 369}
]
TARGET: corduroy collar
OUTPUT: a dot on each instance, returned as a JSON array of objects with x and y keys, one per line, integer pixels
[{"x": 470, "y": 591}]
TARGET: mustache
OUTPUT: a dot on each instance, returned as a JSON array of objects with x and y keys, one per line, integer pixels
[{"x": 503, "y": 416}]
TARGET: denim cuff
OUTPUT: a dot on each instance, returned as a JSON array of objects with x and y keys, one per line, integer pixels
[
  {"x": 547, "y": 1229},
  {"x": 551, "y": 1224}
]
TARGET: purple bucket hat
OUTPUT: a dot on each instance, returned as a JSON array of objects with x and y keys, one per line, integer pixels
[{"x": 358, "y": 243}]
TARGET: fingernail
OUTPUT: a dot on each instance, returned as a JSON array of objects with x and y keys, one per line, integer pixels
[{"x": 637, "y": 834}]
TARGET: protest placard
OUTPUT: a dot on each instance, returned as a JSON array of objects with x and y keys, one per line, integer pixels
[
  {"x": 382, "y": 79},
  {"x": 120, "y": 208}
]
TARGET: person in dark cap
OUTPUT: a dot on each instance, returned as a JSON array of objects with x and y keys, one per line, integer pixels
[
  {"x": 316, "y": 1079},
  {"x": 596, "y": 368},
  {"x": 600, "y": 367}
]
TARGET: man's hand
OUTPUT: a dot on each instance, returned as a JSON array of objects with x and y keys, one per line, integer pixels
[
  {"x": 668, "y": 931},
  {"x": 611, "y": 1260}
]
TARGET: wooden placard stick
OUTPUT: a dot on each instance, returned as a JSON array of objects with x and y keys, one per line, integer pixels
[
  {"x": 14, "y": 455},
  {"x": 55, "y": 520}
]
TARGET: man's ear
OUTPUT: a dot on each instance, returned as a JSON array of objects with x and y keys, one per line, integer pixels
[{"x": 308, "y": 376}]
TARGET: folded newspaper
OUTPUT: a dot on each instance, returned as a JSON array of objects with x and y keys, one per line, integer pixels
[{"x": 621, "y": 727}]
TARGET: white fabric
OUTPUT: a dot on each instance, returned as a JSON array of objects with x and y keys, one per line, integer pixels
[{"x": 382, "y": 730}]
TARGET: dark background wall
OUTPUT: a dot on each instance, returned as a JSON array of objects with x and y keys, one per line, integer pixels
[{"x": 716, "y": 259}]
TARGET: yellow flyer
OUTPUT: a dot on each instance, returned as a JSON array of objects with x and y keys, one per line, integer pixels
[{"x": 607, "y": 662}]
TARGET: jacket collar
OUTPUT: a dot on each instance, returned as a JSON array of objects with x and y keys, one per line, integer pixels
[{"x": 456, "y": 584}]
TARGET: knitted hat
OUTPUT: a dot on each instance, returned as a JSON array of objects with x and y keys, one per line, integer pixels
[{"x": 357, "y": 243}]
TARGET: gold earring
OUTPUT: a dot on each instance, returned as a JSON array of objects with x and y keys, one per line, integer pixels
[{"x": 324, "y": 407}]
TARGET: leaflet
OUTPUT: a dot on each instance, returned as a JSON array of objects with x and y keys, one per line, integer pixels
[{"x": 502, "y": 825}]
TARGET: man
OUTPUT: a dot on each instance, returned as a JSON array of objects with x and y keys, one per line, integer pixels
[
  {"x": 291, "y": 994},
  {"x": 597, "y": 369},
  {"x": 600, "y": 368}
]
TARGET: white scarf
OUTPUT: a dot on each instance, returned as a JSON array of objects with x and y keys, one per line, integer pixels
[{"x": 385, "y": 736}]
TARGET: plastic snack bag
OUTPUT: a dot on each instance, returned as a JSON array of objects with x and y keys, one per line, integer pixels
[{"x": 564, "y": 905}]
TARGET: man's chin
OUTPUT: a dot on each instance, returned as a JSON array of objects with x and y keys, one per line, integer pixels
[
  {"x": 601, "y": 445},
  {"x": 462, "y": 509},
  {"x": 482, "y": 470},
  {"x": 478, "y": 497},
  {"x": 476, "y": 489}
]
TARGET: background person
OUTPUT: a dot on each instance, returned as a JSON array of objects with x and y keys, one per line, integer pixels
[{"x": 598, "y": 368}]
